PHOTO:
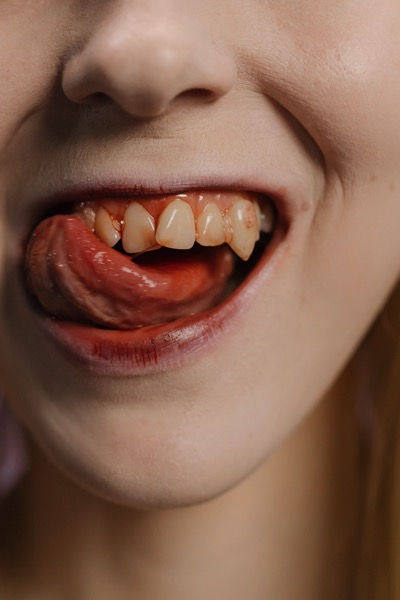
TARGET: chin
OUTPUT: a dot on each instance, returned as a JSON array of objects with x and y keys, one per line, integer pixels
[{"x": 152, "y": 466}]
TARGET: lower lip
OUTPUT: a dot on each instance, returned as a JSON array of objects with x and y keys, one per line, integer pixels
[{"x": 159, "y": 348}]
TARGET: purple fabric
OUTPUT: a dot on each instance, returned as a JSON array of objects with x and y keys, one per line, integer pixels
[{"x": 13, "y": 453}]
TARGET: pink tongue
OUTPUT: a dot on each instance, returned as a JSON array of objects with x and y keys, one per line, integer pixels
[{"x": 75, "y": 276}]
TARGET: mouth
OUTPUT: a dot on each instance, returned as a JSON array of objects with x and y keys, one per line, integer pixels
[{"x": 127, "y": 284}]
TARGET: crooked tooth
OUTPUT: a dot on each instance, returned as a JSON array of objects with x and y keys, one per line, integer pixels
[
  {"x": 104, "y": 229},
  {"x": 139, "y": 229},
  {"x": 210, "y": 226},
  {"x": 176, "y": 226},
  {"x": 243, "y": 228}
]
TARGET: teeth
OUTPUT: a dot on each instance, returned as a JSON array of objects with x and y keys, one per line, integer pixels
[
  {"x": 267, "y": 217},
  {"x": 117, "y": 225},
  {"x": 239, "y": 226},
  {"x": 139, "y": 229},
  {"x": 176, "y": 227},
  {"x": 210, "y": 226},
  {"x": 89, "y": 216},
  {"x": 257, "y": 209},
  {"x": 104, "y": 229},
  {"x": 243, "y": 229}
]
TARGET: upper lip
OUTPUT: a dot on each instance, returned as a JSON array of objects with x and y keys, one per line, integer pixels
[{"x": 288, "y": 198}]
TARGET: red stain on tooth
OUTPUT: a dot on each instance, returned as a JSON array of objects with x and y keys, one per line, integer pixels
[{"x": 75, "y": 276}]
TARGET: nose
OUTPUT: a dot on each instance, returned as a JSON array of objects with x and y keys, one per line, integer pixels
[{"x": 144, "y": 55}]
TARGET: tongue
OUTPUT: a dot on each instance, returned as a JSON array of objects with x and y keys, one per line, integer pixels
[{"x": 75, "y": 276}]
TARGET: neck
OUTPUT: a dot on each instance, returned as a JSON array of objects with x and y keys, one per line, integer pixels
[{"x": 284, "y": 532}]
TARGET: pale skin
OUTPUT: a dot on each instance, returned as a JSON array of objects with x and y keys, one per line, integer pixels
[{"x": 256, "y": 459}]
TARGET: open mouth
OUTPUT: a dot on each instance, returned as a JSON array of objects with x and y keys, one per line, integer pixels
[{"x": 130, "y": 269}]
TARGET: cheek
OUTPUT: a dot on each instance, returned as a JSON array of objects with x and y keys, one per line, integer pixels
[
  {"x": 350, "y": 264},
  {"x": 341, "y": 81},
  {"x": 33, "y": 41}
]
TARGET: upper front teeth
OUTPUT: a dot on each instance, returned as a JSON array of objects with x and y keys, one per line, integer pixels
[
  {"x": 210, "y": 226},
  {"x": 139, "y": 232},
  {"x": 104, "y": 228},
  {"x": 238, "y": 225},
  {"x": 176, "y": 226}
]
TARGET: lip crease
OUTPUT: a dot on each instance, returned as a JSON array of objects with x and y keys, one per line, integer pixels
[{"x": 167, "y": 346}]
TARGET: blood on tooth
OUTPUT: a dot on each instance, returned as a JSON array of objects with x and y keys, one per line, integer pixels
[
  {"x": 204, "y": 225},
  {"x": 228, "y": 228},
  {"x": 104, "y": 229},
  {"x": 116, "y": 224},
  {"x": 139, "y": 229},
  {"x": 244, "y": 228}
]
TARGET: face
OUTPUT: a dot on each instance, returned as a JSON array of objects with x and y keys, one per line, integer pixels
[{"x": 151, "y": 102}]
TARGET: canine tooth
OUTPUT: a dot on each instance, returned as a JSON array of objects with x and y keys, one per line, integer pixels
[
  {"x": 243, "y": 221},
  {"x": 139, "y": 229},
  {"x": 104, "y": 229},
  {"x": 210, "y": 226},
  {"x": 176, "y": 226}
]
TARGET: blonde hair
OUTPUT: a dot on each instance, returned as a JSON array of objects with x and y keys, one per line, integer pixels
[{"x": 379, "y": 355}]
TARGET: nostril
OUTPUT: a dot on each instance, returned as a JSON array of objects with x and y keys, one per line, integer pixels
[
  {"x": 97, "y": 98},
  {"x": 201, "y": 95}
]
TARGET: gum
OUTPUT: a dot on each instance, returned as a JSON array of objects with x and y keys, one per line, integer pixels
[{"x": 155, "y": 205}]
